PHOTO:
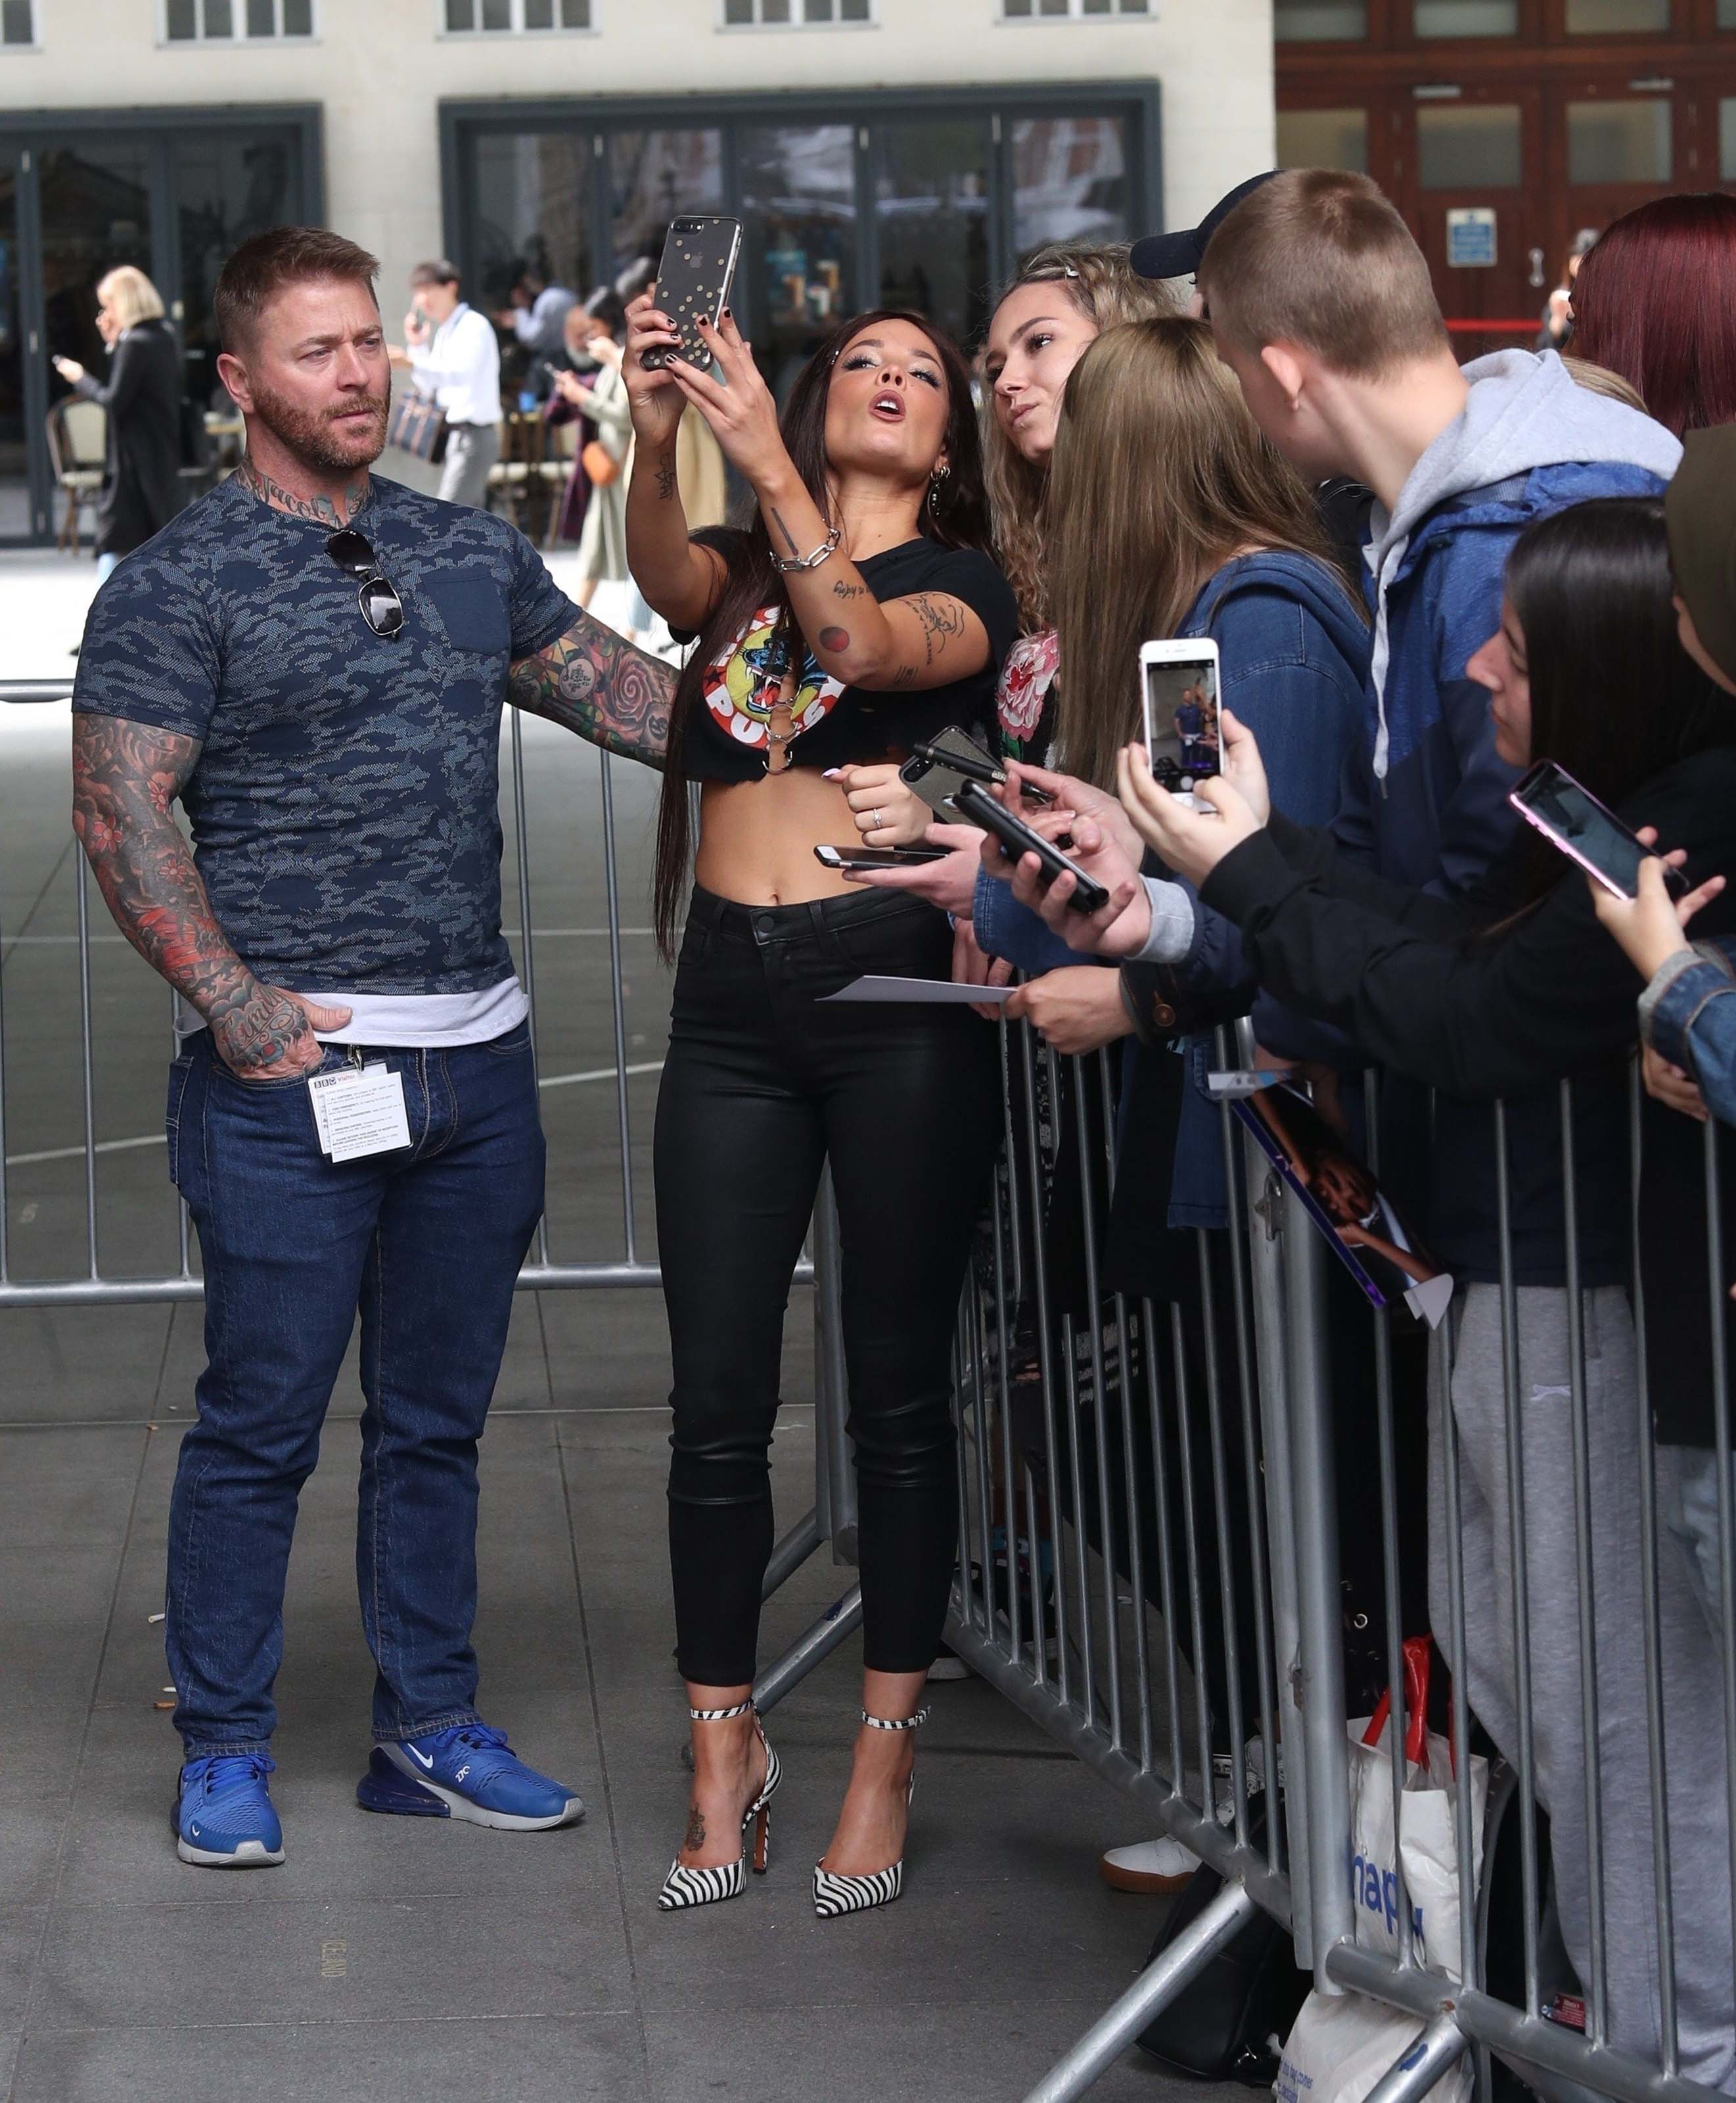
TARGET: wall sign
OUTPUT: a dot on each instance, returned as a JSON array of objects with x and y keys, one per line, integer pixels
[{"x": 1471, "y": 238}]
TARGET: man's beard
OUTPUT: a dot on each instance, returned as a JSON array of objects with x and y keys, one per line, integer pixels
[{"x": 316, "y": 438}]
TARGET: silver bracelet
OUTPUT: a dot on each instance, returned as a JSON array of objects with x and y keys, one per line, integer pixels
[{"x": 829, "y": 546}]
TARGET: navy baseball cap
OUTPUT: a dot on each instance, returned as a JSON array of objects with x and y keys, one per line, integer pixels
[{"x": 1179, "y": 254}]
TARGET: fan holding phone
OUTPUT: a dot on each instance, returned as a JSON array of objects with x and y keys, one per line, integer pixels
[{"x": 858, "y": 614}]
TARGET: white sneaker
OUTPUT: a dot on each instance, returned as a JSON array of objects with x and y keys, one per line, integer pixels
[{"x": 1148, "y": 1865}]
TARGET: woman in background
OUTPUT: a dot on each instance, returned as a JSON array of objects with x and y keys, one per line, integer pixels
[
  {"x": 141, "y": 489},
  {"x": 1655, "y": 301}
]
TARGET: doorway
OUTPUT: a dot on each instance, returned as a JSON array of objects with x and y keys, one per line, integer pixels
[{"x": 80, "y": 194}]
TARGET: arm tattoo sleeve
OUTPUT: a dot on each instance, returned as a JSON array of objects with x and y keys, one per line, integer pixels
[
  {"x": 595, "y": 682},
  {"x": 941, "y": 619},
  {"x": 125, "y": 777}
]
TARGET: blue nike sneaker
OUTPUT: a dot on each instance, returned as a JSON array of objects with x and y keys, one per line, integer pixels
[
  {"x": 222, "y": 1817},
  {"x": 468, "y": 1772}
]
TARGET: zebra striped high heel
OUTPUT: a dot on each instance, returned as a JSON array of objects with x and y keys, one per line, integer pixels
[
  {"x": 833, "y": 1894},
  {"x": 685, "y": 1887}
]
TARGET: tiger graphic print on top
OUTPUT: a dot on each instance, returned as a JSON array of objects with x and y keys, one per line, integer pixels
[{"x": 743, "y": 681}]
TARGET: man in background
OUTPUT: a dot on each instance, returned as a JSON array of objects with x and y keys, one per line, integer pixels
[{"x": 453, "y": 353}]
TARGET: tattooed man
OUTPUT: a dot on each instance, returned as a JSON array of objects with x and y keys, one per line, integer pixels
[{"x": 314, "y": 665}]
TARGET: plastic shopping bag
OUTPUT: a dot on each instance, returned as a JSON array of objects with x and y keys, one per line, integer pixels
[
  {"x": 1430, "y": 1822},
  {"x": 1340, "y": 2046}
]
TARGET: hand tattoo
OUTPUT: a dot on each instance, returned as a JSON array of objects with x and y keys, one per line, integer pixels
[
  {"x": 323, "y": 510},
  {"x": 666, "y": 476},
  {"x": 125, "y": 777},
  {"x": 941, "y": 619},
  {"x": 595, "y": 682},
  {"x": 834, "y": 639}
]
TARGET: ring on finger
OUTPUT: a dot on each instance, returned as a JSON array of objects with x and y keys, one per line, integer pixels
[{"x": 875, "y": 815}]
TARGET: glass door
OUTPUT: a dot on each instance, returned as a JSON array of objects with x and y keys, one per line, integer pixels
[
  {"x": 797, "y": 274},
  {"x": 931, "y": 191},
  {"x": 19, "y": 509},
  {"x": 1475, "y": 203}
]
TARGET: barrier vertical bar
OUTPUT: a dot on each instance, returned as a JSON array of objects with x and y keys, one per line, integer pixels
[
  {"x": 522, "y": 845},
  {"x": 1046, "y": 1362},
  {"x": 1004, "y": 1397},
  {"x": 1165, "y": 1547},
  {"x": 1663, "y": 1898},
  {"x": 612, "y": 888},
  {"x": 5, "y": 1198},
  {"x": 1081, "y": 1074},
  {"x": 1191, "y": 1545},
  {"x": 1598, "y": 2000},
  {"x": 1236, "y": 1723},
  {"x": 1142, "y": 1665},
  {"x": 1514, "y": 1423},
  {"x": 81, "y": 868},
  {"x": 1721, "y": 1406},
  {"x": 1441, "y": 1352},
  {"x": 1318, "y": 1610},
  {"x": 1240, "y": 1293}
]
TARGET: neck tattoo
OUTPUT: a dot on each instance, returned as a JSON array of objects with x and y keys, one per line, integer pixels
[{"x": 333, "y": 511}]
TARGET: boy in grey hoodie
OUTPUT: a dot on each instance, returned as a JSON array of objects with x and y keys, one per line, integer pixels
[{"x": 1320, "y": 303}]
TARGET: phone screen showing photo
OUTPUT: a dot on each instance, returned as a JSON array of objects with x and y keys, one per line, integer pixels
[
  {"x": 1578, "y": 825},
  {"x": 1181, "y": 720}
]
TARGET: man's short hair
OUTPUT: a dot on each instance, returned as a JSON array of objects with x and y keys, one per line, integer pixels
[
  {"x": 1320, "y": 258},
  {"x": 436, "y": 271},
  {"x": 266, "y": 265}
]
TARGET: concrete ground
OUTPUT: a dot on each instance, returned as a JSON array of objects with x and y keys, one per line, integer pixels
[{"x": 419, "y": 1960}]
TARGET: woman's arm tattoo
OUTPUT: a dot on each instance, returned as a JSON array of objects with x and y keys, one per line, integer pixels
[
  {"x": 125, "y": 777},
  {"x": 595, "y": 682}
]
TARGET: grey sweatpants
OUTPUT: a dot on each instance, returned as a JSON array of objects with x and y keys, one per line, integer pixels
[
  {"x": 472, "y": 450},
  {"x": 1699, "y": 1851}
]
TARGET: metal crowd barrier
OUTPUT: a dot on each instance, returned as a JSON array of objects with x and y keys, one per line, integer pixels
[
  {"x": 832, "y": 1518},
  {"x": 1071, "y": 1492}
]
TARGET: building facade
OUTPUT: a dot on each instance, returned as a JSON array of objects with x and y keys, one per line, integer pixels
[
  {"x": 900, "y": 150},
  {"x": 1501, "y": 128}
]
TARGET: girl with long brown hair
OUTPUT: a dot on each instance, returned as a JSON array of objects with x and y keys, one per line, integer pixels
[{"x": 858, "y": 612}]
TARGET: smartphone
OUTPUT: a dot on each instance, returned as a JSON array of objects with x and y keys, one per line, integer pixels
[
  {"x": 876, "y": 857},
  {"x": 1178, "y": 696},
  {"x": 1572, "y": 819},
  {"x": 938, "y": 771},
  {"x": 693, "y": 280},
  {"x": 980, "y": 808}
]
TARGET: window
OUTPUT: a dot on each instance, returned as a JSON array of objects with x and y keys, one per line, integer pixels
[
  {"x": 1069, "y": 180},
  {"x": 235, "y": 21},
  {"x": 1468, "y": 146},
  {"x": 1319, "y": 21},
  {"x": 515, "y": 18},
  {"x": 17, "y": 25},
  {"x": 1618, "y": 142},
  {"x": 796, "y": 13},
  {"x": 1323, "y": 138},
  {"x": 1617, "y": 18},
  {"x": 1075, "y": 11},
  {"x": 1466, "y": 18}
]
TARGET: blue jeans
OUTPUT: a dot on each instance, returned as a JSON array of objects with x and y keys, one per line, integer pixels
[{"x": 427, "y": 1241}]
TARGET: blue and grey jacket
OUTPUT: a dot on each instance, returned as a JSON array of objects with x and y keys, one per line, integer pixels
[
  {"x": 1688, "y": 1015},
  {"x": 1294, "y": 656}
]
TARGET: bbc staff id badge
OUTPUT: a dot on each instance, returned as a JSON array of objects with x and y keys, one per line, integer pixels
[{"x": 359, "y": 1110}]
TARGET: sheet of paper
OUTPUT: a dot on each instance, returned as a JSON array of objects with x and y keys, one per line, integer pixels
[
  {"x": 358, "y": 1111},
  {"x": 939, "y": 992}
]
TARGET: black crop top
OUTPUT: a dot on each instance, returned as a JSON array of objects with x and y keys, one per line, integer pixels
[{"x": 835, "y": 725}]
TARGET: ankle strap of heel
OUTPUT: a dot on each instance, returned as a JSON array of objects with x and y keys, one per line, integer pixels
[
  {"x": 719, "y": 1715},
  {"x": 894, "y": 1723}
]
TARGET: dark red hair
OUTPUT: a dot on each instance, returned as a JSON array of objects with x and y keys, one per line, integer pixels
[{"x": 1655, "y": 301}]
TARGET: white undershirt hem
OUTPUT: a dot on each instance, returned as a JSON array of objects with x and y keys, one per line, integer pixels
[{"x": 411, "y": 1021}]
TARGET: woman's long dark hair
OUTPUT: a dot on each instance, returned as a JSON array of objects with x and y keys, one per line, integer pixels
[
  {"x": 957, "y": 519},
  {"x": 1615, "y": 699}
]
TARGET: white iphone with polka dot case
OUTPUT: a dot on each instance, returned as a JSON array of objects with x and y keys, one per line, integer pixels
[{"x": 693, "y": 280}]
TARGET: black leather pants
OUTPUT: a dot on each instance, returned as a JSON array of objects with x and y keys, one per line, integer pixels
[{"x": 761, "y": 1086}]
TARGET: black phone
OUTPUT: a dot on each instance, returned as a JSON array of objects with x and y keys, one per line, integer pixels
[
  {"x": 980, "y": 808},
  {"x": 1571, "y": 818},
  {"x": 693, "y": 279},
  {"x": 937, "y": 770},
  {"x": 876, "y": 857}
]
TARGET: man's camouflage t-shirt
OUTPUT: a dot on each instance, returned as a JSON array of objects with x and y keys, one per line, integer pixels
[{"x": 344, "y": 804}]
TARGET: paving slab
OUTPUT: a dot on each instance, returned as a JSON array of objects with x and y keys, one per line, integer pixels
[{"x": 458, "y": 2059}]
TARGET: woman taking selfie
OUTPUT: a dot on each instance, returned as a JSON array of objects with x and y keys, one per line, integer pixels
[
  {"x": 1505, "y": 994},
  {"x": 857, "y": 613}
]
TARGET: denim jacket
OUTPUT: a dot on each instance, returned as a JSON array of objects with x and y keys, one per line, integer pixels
[
  {"x": 1294, "y": 652},
  {"x": 1687, "y": 1016}
]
